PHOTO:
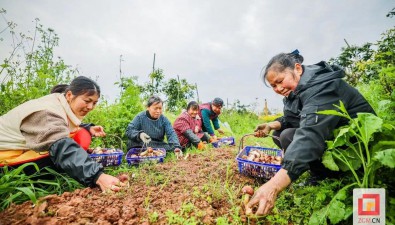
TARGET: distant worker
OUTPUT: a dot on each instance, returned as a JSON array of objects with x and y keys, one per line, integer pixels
[
  {"x": 209, "y": 112},
  {"x": 150, "y": 127},
  {"x": 188, "y": 127}
]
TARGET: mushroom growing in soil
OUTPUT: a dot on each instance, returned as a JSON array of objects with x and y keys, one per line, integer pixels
[{"x": 247, "y": 191}]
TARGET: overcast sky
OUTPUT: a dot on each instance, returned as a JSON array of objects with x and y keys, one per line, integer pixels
[{"x": 221, "y": 45}]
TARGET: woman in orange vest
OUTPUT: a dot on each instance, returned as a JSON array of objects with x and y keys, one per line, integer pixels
[{"x": 49, "y": 132}]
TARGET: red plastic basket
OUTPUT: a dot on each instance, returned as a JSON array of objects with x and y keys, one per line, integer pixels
[
  {"x": 135, "y": 160},
  {"x": 257, "y": 169},
  {"x": 224, "y": 141}
]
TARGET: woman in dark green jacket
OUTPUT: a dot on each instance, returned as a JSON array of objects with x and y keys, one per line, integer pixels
[{"x": 303, "y": 132}]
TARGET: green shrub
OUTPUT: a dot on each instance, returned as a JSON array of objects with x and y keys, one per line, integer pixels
[{"x": 116, "y": 117}]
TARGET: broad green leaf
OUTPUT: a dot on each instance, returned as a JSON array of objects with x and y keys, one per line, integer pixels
[
  {"x": 329, "y": 162},
  {"x": 341, "y": 194},
  {"x": 318, "y": 217},
  {"x": 388, "y": 126},
  {"x": 352, "y": 158},
  {"x": 386, "y": 157},
  {"x": 342, "y": 136},
  {"x": 320, "y": 196},
  {"x": 370, "y": 124},
  {"x": 379, "y": 146},
  {"x": 333, "y": 163},
  {"x": 336, "y": 211},
  {"x": 329, "y": 144},
  {"x": 383, "y": 104},
  {"x": 348, "y": 212}
]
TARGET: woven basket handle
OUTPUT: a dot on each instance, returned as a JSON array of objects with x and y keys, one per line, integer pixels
[
  {"x": 241, "y": 145},
  {"x": 117, "y": 137}
]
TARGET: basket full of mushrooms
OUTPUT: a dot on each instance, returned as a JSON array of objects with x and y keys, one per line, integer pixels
[
  {"x": 106, "y": 156},
  {"x": 259, "y": 161},
  {"x": 136, "y": 156}
]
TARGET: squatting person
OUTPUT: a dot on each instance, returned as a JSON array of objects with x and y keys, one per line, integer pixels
[
  {"x": 48, "y": 131},
  {"x": 307, "y": 89}
]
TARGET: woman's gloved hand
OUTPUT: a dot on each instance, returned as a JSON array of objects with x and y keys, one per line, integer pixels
[
  {"x": 145, "y": 138},
  {"x": 213, "y": 139},
  {"x": 201, "y": 146}
]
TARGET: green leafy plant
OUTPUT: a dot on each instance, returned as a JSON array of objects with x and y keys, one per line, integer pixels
[
  {"x": 312, "y": 204},
  {"x": 365, "y": 143},
  {"x": 178, "y": 93},
  {"x": 153, "y": 217},
  {"x": 115, "y": 117},
  {"x": 17, "y": 187},
  {"x": 336, "y": 210},
  {"x": 371, "y": 68},
  {"x": 174, "y": 218}
]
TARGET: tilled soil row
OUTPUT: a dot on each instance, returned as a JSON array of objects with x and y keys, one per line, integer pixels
[{"x": 152, "y": 192}]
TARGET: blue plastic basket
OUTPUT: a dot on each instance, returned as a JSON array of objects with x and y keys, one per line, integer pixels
[
  {"x": 258, "y": 169},
  {"x": 108, "y": 159},
  {"x": 135, "y": 160},
  {"x": 223, "y": 142}
]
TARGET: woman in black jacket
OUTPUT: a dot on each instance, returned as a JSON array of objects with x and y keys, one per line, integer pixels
[{"x": 303, "y": 132}]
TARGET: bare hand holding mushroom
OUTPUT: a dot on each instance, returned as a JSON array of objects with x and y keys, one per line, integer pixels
[
  {"x": 97, "y": 131},
  {"x": 247, "y": 191},
  {"x": 221, "y": 131},
  {"x": 265, "y": 197},
  {"x": 108, "y": 182},
  {"x": 264, "y": 129}
]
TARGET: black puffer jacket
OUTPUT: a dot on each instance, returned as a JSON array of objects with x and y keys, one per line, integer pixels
[
  {"x": 67, "y": 155},
  {"x": 320, "y": 88}
]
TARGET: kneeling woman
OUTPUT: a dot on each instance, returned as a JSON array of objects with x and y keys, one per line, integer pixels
[
  {"x": 188, "y": 127},
  {"x": 41, "y": 131},
  {"x": 150, "y": 127}
]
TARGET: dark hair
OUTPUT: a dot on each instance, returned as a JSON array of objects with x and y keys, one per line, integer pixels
[
  {"x": 154, "y": 99},
  {"x": 79, "y": 86},
  {"x": 282, "y": 61},
  {"x": 193, "y": 105},
  {"x": 218, "y": 102},
  {"x": 60, "y": 88}
]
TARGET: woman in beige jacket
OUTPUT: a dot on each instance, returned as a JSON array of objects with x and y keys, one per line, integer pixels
[{"x": 41, "y": 131}]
